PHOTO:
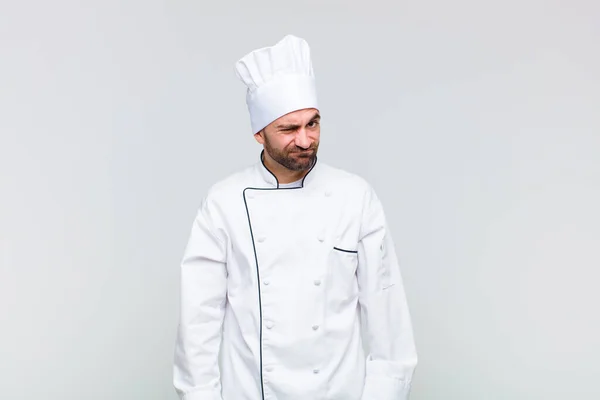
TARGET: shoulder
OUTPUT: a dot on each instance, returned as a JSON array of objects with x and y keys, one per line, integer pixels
[
  {"x": 228, "y": 189},
  {"x": 234, "y": 182},
  {"x": 345, "y": 180},
  {"x": 354, "y": 188}
]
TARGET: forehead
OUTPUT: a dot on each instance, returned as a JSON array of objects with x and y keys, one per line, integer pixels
[{"x": 297, "y": 116}]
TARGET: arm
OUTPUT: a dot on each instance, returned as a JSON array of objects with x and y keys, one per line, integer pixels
[
  {"x": 196, "y": 374},
  {"x": 392, "y": 355}
]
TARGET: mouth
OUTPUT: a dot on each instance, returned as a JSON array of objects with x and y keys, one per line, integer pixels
[{"x": 303, "y": 153}]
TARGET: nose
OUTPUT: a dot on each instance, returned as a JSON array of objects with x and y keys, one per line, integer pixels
[{"x": 302, "y": 140}]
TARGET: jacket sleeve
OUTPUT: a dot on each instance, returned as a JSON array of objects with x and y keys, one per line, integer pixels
[
  {"x": 392, "y": 356},
  {"x": 203, "y": 285}
]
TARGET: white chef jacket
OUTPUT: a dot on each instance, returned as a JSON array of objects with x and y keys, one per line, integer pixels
[{"x": 280, "y": 281}]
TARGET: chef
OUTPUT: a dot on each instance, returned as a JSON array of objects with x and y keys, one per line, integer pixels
[{"x": 290, "y": 284}]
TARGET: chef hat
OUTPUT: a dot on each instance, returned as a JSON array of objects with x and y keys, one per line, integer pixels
[{"x": 279, "y": 79}]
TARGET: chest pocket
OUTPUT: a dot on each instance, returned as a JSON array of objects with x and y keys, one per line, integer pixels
[
  {"x": 343, "y": 262},
  {"x": 343, "y": 250}
]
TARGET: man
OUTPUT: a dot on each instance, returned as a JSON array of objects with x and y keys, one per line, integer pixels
[{"x": 283, "y": 259}]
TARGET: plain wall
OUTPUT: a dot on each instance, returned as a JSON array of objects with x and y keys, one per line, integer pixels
[{"x": 477, "y": 123}]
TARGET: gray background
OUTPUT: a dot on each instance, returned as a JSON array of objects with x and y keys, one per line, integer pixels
[{"x": 477, "y": 122}]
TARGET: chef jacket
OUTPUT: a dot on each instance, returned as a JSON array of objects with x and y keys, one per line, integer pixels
[{"x": 277, "y": 285}]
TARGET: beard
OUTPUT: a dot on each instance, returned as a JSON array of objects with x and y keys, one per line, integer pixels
[{"x": 293, "y": 158}]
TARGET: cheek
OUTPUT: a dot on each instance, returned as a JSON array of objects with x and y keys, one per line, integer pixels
[
  {"x": 316, "y": 135},
  {"x": 285, "y": 143},
  {"x": 289, "y": 141}
]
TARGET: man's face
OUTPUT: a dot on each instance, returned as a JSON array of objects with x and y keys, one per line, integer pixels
[{"x": 293, "y": 140}]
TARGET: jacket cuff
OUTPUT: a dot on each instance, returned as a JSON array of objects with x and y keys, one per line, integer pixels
[
  {"x": 384, "y": 381},
  {"x": 202, "y": 395},
  {"x": 382, "y": 388}
]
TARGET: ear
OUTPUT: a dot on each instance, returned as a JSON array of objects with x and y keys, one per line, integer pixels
[{"x": 260, "y": 137}]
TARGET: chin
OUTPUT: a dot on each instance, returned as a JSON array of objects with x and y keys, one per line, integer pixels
[{"x": 303, "y": 166}]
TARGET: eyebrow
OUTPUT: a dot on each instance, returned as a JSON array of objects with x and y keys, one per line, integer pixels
[{"x": 317, "y": 116}]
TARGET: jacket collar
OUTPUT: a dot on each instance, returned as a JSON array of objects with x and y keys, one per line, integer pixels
[{"x": 270, "y": 179}]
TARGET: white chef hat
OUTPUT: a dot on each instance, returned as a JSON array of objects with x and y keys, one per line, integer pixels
[{"x": 280, "y": 80}]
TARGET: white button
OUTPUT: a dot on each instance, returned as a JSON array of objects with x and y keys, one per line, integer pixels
[
  {"x": 250, "y": 195},
  {"x": 315, "y": 371},
  {"x": 261, "y": 239},
  {"x": 269, "y": 324},
  {"x": 315, "y": 327},
  {"x": 321, "y": 238},
  {"x": 266, "y": 282},
  {"x": 317, "y": 282},
  {"x": 269, "y": 368}
]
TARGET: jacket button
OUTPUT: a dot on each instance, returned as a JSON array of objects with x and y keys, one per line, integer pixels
[
  {"x": 321, "y": 238},
  {"x": 315, "y": 371},
  {"x": 317, "y": 282},
  {"x": 269, "y": 368},
  {"x": 315, "y": 327},
  {"x": 269, "y": 324},
  {"x": 266, "y": 282},
  {"x": 261, "y": 239}
]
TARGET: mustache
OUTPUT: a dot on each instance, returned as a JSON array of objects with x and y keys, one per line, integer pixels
[{"x": 301, "y": 150}]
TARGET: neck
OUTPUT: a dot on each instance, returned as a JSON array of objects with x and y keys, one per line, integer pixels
[{"x": 283, "y": 174}]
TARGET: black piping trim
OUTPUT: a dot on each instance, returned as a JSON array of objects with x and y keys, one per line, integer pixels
[
  {"x": 262, "y": 160},
  {"x": 262, "y": 388},
  {"x": 346, "y": 251}
]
